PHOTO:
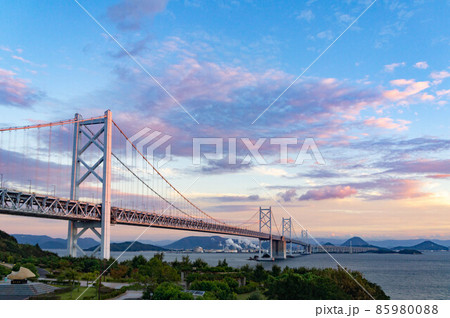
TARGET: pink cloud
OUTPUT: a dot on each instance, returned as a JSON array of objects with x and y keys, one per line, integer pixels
[
  {"x": 440, "y": 75},
  {"x": 328, "y": 192},
  {"x": 399, "y": 189},
  {"x": 443, "y": 92},
  {"x": 387, "y": 123},
  {"x": 439, "y": 176},
  {"x": 21, "y": 59},
  {"x": 288, "y": 195},
  {"x": 427, "y": 97},
  {"x": 15, "y": 91},
  {"x": 411, "y": 88}
]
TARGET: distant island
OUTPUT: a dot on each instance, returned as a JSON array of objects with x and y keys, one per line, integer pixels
[
  {"x": 358, "y": 245},
  {"x": 222, "y": 244},
  {"x": 424, "y": 246}
]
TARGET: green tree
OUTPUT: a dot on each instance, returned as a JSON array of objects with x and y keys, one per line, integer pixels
[
  {"x": 89, "y": 277},
  {"x": 138, "y": 261},
  {"x": 292, "y": 286},
  {"x": 200, "y": 264},
  {"x": 276, "y": 270},
  {"x": 119, "y": 272},
  {"x": 259, "y": 274},
  {"x": 219, "y": 289},
  {"x": 4, "y": 271},
  {"x": 170, "y": 291}
]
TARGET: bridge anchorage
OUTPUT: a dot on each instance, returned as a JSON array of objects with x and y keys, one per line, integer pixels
[{"x": 152, "y": 202}]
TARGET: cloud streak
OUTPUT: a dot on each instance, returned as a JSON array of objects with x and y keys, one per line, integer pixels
[{"x": 328, "y": 192}]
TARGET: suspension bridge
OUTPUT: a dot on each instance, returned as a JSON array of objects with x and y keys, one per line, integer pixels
[{"x": 78, "y": 170}]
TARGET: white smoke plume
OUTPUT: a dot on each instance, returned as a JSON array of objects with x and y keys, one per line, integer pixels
[
  {"x": 247, "y": 243},
  {"x": 231, "y": 243}
]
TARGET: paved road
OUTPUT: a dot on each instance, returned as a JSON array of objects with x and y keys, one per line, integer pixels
[
  {"x": 84, "y": 283},
  {"x": 130, "y": 294}
]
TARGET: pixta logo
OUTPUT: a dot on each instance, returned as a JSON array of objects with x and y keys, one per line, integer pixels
[
  {"x": 147, "y": 141},
  {"x": 308, "y": 150}
]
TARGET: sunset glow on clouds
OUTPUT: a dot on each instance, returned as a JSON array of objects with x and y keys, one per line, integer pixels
[{"x": 376, "y": 103}]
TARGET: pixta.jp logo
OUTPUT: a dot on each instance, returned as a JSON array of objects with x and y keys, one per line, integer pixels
[{"x": 147, "y": 141}]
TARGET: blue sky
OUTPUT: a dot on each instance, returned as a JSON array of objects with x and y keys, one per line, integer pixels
[{"x": 376, "y": 102}]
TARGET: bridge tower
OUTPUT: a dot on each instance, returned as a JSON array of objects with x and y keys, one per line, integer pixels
[
  {"x": 287, "y": 232},
  {"x": 101, "y": 170},
  {"x": 265, "y": 222},
  {"x": 305, "y": 238}
]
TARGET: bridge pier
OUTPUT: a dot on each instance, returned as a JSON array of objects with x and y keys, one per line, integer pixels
[
  {"x": 279, "y": 249},
  {"x": 73, "y": 235}
]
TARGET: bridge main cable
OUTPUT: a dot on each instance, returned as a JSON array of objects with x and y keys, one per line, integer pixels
[
  {"x": 154, "y": 169},
  {"x": 56, "y": 123}
]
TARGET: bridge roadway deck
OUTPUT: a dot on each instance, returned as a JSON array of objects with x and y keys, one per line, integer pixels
[{"x": 34, "y": 205}]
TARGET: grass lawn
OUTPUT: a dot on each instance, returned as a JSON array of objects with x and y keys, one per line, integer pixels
[
  {"x": 246, "y": 295},
  {"x": 78, "y": 291},
  {"x": 242, "y": 296}
]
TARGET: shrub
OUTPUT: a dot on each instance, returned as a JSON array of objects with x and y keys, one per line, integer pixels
[{"x": 170, "y": 291}]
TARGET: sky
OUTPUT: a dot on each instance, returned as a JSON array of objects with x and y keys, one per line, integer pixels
[{"x": 372, "y": 92}]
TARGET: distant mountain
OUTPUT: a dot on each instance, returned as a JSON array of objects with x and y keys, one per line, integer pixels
[
  {"x": 10, "y": 246},
  {"x": 136, "y": 247},
  {"x": 387, "y": 243},
  {"x": 356, "y": 241},
  {"x": 410, "y": 242},
  {"x": 328, "y": 244},
  {"x": 424, "y": 246},
  {"x": 159, "y": 242},
  {"x": 47, "y": 242},
  {"x": 211, "y": 242}
]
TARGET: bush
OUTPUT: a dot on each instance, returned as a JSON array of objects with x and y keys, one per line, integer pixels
[
  {"x": 4, "y": 271},
  {"x": 219, "y": 289},
  {"x": 170, "y": 291},
  {"x": 256, "y": 296},
  {"x": 305, "y": 286},
  {"x": 250, "y": 287}
]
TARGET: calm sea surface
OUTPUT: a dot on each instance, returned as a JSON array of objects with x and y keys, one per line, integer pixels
[{"x": 425, "y": 276}]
